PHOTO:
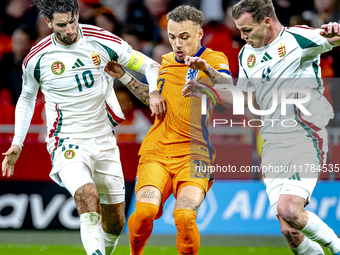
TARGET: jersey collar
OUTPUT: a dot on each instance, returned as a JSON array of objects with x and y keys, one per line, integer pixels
[{"x": 198, "y": 54}]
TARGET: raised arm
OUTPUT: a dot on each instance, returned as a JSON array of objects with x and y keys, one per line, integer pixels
[{"x": 331, "y": 31}]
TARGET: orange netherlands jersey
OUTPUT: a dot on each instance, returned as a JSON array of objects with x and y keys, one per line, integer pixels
[{"x": 184, "y": 129}]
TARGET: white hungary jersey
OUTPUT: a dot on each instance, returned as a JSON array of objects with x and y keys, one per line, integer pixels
[
  {"x": 79, "y": 102},
  {"x": 289, "y": 63}
]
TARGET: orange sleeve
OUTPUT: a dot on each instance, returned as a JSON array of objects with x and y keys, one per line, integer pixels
[{"x": 219, "y": 62}]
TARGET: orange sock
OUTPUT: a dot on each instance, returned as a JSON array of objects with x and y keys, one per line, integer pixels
[
  {"x": 140, "y": 226},
  {"x": 188, "y": 237}
]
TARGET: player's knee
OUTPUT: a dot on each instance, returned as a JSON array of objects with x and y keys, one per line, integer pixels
[
  {"x": 87, "y": 199},
  {"x": 288, "y": 214},
  {"x": 185, "y": 221},
  {"x": 145, "y": 213},
  {"x": 115, "y": 227},
  {"x": 288, "y": 231}
]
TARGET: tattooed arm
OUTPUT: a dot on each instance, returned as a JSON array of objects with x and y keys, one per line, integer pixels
[
  {"x": 139, "y": 89},
  {"x": 215, "y": 76}
]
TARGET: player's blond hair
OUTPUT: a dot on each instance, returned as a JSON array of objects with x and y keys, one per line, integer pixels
[
  {"x": 259, "y": 9},
  {"x": 186, "y": 12}
]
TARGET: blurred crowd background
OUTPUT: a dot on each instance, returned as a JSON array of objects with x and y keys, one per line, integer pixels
[{"x": 142, "y": 23}]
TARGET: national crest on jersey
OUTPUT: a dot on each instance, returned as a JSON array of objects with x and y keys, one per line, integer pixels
[
  {"x": 192, "y": 74},
  {"x": 251, "y": 61},
  {"x": 95, "y": 58},
  {"x": 58, "y": 67},
  {"x": 282, "y": 50}
]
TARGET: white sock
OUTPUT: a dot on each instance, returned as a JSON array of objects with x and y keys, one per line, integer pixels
[
  {"x": 308, "y": 247},
  {"x": 319, "y": 232},
  {"x": 91, "y": 234},
  {"x": 110, "y": 241}
]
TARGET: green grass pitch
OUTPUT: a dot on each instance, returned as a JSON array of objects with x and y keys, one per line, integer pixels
[
  {"x": 17, "y": 249},
  {"x": 63, "y": 242}
]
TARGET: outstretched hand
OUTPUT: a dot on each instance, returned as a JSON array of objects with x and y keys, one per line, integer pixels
[
  {"x": 11, "y": 157},
  {"x": 330, "y": 30},
  {"x": 193, "y": 88}
]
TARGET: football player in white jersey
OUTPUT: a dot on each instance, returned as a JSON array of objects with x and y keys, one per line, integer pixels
[
  {"x": 286, "y": 60},
  {"x": 82, "y": 109}
]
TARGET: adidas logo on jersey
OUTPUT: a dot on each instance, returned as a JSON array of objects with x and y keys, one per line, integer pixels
[
  {"x": 266, "y": 57},
  {"x": 78, "y": 63}
]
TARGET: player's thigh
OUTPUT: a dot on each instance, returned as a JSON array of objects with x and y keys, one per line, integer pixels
[
  {"x": 191, "y": 172},
  {"x": 275, "y": 162},
  {"x": 153, "y": 182},
  {"x": 76, "y": 178},
  {"x": 69, "y": 152},
  {"x": 108, "y": 177},
  {"x": 299, "y": 178},
  {"x": 75, "y": 175},
  {"x": 302, "y": 181}
]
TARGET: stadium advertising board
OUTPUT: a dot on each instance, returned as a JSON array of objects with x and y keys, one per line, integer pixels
[
  {"x": 231, "y": 208},
  {"x": 242, "y": 208}
]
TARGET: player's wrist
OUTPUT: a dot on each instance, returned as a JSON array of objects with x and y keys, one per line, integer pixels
[
  {"x": 154, "y": 93},
  {"x": 126, "y": 78},
  {"x": 206, "y": 66},
  {"x": 17, "y": 145}
]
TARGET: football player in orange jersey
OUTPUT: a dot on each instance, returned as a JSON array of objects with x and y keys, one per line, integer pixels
[{"x": 178, "y": 144}]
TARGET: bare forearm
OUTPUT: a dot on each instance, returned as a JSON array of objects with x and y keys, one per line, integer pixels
[
  {"x": 335, "y": 41},
  {"x": 226, "y": 96},
  {"x": 216, "y": 77},
  {"x": 140, "y": 90}
]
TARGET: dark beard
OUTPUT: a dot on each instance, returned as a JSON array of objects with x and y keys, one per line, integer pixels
[{"x": 65, "y": 40}]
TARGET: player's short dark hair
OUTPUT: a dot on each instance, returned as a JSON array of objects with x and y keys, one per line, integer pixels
[
  {"x": 186, "y": 12},
  {"x": 48, "y": 7},
  {"x": 259, "y": 9}
]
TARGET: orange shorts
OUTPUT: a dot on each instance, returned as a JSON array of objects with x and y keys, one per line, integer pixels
[{"x": 170, "y": 174}]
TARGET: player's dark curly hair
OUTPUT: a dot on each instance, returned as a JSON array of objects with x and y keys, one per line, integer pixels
[
  {"x": 186, "y": 12},
  {"x": 48, "y": 7},
  {"x": 259, "y": 9}
]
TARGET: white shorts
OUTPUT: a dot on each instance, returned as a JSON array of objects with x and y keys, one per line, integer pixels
[
  {"x": 94, "y": 160},
  {"x": 292, "y": 166}
]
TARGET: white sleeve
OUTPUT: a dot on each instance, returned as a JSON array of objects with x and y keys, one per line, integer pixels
[
  {"x": 310, "y": 40},
  {"x": 139, "y": 62},
  {"x": 24, "y": 109}
]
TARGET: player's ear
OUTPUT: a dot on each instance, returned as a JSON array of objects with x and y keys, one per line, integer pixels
[
  {"x": 49, "y": 22},
  {"x": 267, "y": 22},
  {"x": 200, "y": 34}
]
